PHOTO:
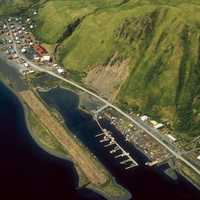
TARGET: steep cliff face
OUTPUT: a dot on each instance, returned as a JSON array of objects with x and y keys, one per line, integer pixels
[{"x": 157, "y": 48}]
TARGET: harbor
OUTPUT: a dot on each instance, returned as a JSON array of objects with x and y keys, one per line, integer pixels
[
  {"x": 107, "y": 149},
  {"x": 116, "y": 148}
]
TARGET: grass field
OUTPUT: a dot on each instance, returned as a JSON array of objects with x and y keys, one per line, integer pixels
[
  {"x": 14, "y": 6},
  {"x": 56, "y": 16},
  {"x": 44, "y": 137}
]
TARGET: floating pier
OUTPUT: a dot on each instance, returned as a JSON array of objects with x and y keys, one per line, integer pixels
[
  {"x": 125, "y": 161},
  {"x": 130, "y": 166},
  {"x": 116, "y": 148},
  {"x": 105, "y": 139},
  {"x": 108, "y": 137}
]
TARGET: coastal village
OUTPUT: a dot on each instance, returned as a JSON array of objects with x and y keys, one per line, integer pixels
[{"x": 20, "y": 30}]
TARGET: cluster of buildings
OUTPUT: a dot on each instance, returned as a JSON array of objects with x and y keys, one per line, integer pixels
[
  {"x": 139, "y": 138},
  {"x": 158, "y": 126},
  {"x": 152, "y": 149},
  {"x": 16, "y": 31}
]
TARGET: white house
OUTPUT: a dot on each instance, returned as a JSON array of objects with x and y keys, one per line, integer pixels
[
  {"x": 46, "y": 58},
  {"x": 23, "y": 50},
  {"x": 36, "y": 58},
  {"x": 144, "y": 118},
  {"x": 26, "y": 65},
  {"x": 172, "y": 138},
  {"x": 54, "y": 65},
  {"x": 159, "y": 125},
  {"x": 60, "y": 70}
]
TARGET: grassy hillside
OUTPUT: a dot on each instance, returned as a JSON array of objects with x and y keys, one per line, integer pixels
[
  {"x": 14, "y": 6},
  {"x": 159, "y": 38},
  {"x": 55, "y": 16}
]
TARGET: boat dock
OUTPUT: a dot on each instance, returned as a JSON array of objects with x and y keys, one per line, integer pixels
[{"x": 116, "y": 148}]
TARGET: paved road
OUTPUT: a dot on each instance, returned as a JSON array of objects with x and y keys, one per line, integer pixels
[{"x": 153, "y": 133}]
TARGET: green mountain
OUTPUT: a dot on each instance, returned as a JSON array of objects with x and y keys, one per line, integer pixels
[
  {"x": 139, "y": 53},
  {"x": 13, "y": 6}
]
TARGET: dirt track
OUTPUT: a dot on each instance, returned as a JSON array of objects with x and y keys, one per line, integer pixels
[{"x": 79, "y": 155}]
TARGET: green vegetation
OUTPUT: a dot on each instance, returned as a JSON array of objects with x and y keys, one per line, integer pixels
[
  {"x": 8, "y": 7},
  {"x": 44, "y": 137},
  {"x": 159, "y": 37},
  {"x": 60, "y": 16}
]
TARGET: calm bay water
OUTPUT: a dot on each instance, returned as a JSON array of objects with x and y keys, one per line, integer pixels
[
  {"x": 144, "y": 183},
  {"x": 26, "y": 171}
]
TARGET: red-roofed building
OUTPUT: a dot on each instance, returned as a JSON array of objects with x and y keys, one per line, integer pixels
[{"x": 40, "y": 50}]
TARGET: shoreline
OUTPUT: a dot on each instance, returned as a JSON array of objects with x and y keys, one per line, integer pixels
[{"x": 6, "y": 83}]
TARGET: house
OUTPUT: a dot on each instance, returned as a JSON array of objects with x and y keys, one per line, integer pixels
[
  {"x": 46, "y": 59},
  {"x": 40, "y": 50},
  {"x": 154, "y": 123},
  {"x": 25, "y": 72},
  {"x": 36, "y": 58},
  {"x": 15, "y": 56},
  {"x": 54, "y": 65},
  {"x": 144, "y": 118},
  {"x": 159, "y": 126},
  {"x": 60, "y": 70},
  {"x": 23, "y": 50},
  {"x": 171, "y": 138},
  {"x": 26, "y": 65}
]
